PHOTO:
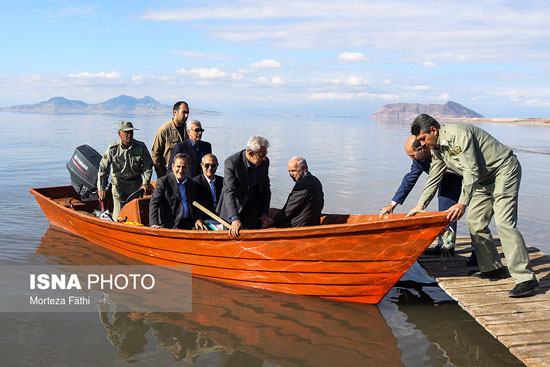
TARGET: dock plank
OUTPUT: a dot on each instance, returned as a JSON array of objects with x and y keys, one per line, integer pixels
[{"x": 521, "y": 324}]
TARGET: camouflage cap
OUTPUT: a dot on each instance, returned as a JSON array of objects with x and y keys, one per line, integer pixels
[{"x": 126, "y": 126}]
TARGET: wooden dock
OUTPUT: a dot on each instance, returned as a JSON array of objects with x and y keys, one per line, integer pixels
[{"x": 521, "y": 324}]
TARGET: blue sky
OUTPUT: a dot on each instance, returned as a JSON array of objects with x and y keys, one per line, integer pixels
[{"x": 300, "y": 56}]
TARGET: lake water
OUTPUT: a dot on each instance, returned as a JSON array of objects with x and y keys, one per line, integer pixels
[{"x": 360, "y": 163}]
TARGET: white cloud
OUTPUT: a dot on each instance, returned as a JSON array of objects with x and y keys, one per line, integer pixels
[
  {"x": 429, "y": 64},
  {"x": 356, "y": 80},
  {"x": 443, "y": 97},
  {"x": 197, "y": 55},
  {"x": 421, "y": 87},
  {"x": 277, "y": 80},
  {"x": 237, "y": 76},
  {"x": 471, "y": 31},
  {"x": 387, "y": 81},
  {"x": 353, "y": 96},
  {"x": 352, "y": 56},
  {"x": 202, "y": 73},
  {"x": 102, "y": 74},
  {"x": 266, "y": 64}
]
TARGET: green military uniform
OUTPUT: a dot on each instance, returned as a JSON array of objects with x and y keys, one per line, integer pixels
[
  {"x": 491, "y": 178},
  {"x": 132, "y": 168},
  {"x": 166, "y": 137}
]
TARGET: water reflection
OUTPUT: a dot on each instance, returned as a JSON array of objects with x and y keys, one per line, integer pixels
[
  {"x": 240, "y": 327},
  {"x": 454, "y": 337}
]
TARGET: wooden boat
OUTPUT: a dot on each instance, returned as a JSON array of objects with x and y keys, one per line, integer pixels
[
  {"x": 356, "y": 258},
  {"x": 243, "y": 324}
]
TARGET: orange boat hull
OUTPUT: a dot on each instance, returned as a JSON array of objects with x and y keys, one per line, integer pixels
[{"x": 358, "y": 260}]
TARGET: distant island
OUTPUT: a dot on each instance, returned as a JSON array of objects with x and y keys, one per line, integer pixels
[
  {"x": 119, "y": 105},
  {"x": 408, "y": 111}
]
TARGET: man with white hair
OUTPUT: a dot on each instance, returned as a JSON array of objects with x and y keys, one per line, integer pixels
[
  {"x": 305, "y": 201},
  {"x": 246, "y": 194},
  {"x": 194, "y": 147}
]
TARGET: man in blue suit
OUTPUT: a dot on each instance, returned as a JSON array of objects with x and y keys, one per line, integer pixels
[
  {"x": 449, "y": 189},
  {"x": 194, "y": 147}
]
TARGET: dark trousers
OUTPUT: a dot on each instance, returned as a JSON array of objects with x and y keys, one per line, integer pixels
[{"x": 186, "y": 223}]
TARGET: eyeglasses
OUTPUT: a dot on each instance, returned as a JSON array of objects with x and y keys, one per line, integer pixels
[
  {"x": 186, "y": 112},
  {"x": 198, "y": 130},
  {"x": 293, "y": 170},
  {"x": 210, "y": 165},
  {"x": 262, "y": 155}
]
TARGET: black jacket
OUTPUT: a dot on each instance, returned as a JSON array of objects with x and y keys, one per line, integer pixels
[
  {"x": 234, "y": 194},
  {"x": 165, "y": 207},
  {"x": 304, "y": 204},
  {"x": 186, "y": 147},
  {"x": 204, "y": 195}
]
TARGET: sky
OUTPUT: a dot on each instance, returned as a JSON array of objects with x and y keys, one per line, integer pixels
[{"x": 344, "y": 58}]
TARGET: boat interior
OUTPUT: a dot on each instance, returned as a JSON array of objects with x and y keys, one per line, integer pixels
[{"x": 137, "y": 210}]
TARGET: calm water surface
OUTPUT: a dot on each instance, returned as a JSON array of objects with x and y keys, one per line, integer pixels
[{"x": 360, "y": 163}]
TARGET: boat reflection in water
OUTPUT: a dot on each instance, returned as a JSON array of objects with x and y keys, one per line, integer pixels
[{"x": 238, "y": 326}]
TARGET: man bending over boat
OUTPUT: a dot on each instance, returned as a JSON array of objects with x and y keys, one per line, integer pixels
[
  {"x": 449, "y": 188},
  {"x": 244, "y": 201},
  {"x": 132, "y": 167},
  {"x": 305, "y": 202},
  {"x": 171, "y": 202},
  {"x": 490, "y": 185}
]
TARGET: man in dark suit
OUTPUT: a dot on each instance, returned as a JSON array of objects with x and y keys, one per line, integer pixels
[
  {"x": 244, "y": 201},
  {"x": 171, "y": 202},
  {"x": 209, "y": 183},
  {"x": 305, "y": 201},
  {"x": 194, "y": 147}
]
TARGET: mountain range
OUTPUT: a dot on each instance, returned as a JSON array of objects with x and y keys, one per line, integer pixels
[
  {"x": 117, "y": 105},
  {"x": 408, "y": 111}
]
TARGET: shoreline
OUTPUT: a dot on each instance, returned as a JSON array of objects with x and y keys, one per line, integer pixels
[{"x": 501, "y": 120}]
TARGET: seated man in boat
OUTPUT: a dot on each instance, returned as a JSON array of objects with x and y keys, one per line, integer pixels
[
  {"x": 171, "y": 202},
  {"x": 246, "y": 194},
  {"x": 132, "y": 167},
  {"x": 194, "y": 147},
  {"x": 449, "y": 188},
  {"x": 305, "y": 202},
  {"x": 490, "y": 185},
  {"x": 209, "y": 183}
]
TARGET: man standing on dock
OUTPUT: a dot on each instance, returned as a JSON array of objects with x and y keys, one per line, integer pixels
[
  {"x": 448, "y": 194},
  {"x": 168, "y": 135},
  {"x": 491, "y": 178}
]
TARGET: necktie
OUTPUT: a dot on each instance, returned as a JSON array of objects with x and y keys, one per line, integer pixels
[
  {"x": 183, "y": 194},
  {"x": 213, "y": 191}
]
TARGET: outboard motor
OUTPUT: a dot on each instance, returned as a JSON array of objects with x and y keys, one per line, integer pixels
[{"x": 83, "y": 167}]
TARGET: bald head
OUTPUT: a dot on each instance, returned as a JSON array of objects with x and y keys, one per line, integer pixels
[
  {"x": 297, "y": 166},
  {"x": 415, "y": 150}
]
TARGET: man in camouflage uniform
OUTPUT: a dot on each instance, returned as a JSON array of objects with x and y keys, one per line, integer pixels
[
  {"x": 491, "y": 178},
  {"x": 132, "y": 167},
  {"x": 168, "y": 135}
]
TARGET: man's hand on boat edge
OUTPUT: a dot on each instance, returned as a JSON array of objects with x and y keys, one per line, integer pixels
[
  {"x": 413, "y": 211},
  {"x": 454, "y": 213}
]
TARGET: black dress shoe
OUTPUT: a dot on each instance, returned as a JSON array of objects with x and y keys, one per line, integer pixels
[
  {"x": 524, "y": 289},
  {"x": 500, "y": 273},
  {"x": 438, "y": 251},
  {"x": 472, "y": 260}
]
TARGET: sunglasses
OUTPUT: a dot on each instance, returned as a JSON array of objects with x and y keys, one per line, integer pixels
[
  {"x": 197, "y": 130},
  {"x": 210, "y": 165}
]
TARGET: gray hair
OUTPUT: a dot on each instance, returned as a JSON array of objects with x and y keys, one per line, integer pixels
[
  {"x": 301, "y": 161},
  {"x": 193, "y": 122},
  {"x": 209, "y": 156},
  {"x": 256, "y": 143}
]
